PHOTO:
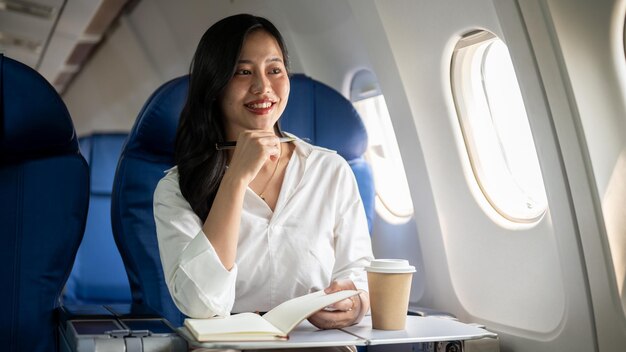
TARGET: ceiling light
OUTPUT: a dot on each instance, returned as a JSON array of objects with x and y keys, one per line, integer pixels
[
  {"x": 27, "y": 8},
  {"x": 10, "y": 40}
]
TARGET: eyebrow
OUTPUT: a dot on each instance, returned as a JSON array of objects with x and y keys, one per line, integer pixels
[{"x": 273, "y": 59}]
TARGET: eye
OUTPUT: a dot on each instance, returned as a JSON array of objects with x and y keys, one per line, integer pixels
[
  {"x": 276, "y": 70},
  {"x": 243, "y": 72}
]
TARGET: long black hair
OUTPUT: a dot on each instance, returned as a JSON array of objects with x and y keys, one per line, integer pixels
[{"x": 200, "y": 166}]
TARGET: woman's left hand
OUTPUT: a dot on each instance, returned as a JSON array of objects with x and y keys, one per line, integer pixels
[{"x": 343, "y": 313}]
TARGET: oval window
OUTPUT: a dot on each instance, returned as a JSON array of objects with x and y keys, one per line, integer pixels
[
  {"x": 393, "y": 198},
  {"x": 495, "y": 127}
]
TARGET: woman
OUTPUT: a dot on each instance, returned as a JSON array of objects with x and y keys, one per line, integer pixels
[{"x": 248, "y": 228}]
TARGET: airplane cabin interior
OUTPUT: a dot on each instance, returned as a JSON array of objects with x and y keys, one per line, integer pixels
[{"x": 487, "y": 139}]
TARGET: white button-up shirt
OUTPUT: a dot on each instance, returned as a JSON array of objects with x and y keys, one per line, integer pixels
[{"x": 317, "y": 233}]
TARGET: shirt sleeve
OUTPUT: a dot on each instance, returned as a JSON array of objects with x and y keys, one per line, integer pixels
[
  {"x": 353, "y": 247},
  {"x": 200, "y": 285}
]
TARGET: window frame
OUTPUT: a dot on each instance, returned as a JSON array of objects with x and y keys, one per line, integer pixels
[{"x": 479, "y": 43}]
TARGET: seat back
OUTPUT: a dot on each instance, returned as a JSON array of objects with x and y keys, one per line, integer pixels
[
  {"x": 319, "y": 114},
  {"x": 44, "y": 183},
  {"x": 98, "y": 276},
  {"x": 315, "y": 111},
  {"x": 148, "y": 152}
]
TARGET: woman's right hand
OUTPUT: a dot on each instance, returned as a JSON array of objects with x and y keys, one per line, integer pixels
[
  {"x": 252, "y": 151},
  {"x": 221, "y": 226}
]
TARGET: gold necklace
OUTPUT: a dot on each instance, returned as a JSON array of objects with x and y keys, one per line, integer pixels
[{"x": 271, "y": 177}]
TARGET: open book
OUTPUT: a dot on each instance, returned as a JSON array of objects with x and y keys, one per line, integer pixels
[{"x": 274, "y": 325}]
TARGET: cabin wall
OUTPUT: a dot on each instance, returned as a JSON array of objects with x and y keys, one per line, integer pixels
[
  {"x": 586, "y": 35},
  {"x": 528, "y": 283},
  {"x": 589, "y": 59}
]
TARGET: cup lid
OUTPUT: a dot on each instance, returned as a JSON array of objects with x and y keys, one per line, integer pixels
[{"x": 390, "y": 266}]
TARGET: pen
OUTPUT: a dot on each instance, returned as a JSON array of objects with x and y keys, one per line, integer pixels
[{"x": 232, "y": 144}]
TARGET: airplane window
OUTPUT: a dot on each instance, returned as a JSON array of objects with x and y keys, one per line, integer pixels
[
  {"x": 495, "y": 128},
  {"x": 393, "y": 199}
]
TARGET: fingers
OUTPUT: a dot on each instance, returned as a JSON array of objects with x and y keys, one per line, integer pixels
[
  {"x": 267, "y": 142},
  {"x": 341, "y": 314},
  {"x": 343, "y": 305},
  {"x": 253, "y": 149},
  {"x": 262, "y": 140},
  {"x": 326, "y": 320},
  {"x": 340, "y": 285},
  {"x": 334, "y": 320}
]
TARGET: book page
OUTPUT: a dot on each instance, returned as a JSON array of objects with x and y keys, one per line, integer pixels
[
  {"x": 287, "y": 315},
  {"x": 237, "y": 325}
]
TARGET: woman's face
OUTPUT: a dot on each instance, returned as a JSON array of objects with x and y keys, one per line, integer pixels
[{"x": 257, "y": 94}]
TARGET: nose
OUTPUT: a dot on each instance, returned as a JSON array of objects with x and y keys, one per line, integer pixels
[{"x": 260, "y": 84}]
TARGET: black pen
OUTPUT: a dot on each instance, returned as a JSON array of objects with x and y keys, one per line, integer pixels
[{"x": 233, "y": 144}]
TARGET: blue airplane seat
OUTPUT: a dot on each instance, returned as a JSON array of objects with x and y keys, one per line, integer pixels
[
  {"x": 319, "y": 114},
  {"x": 148, "y": 152},
  {"x": 98, "y": 276},
  {"x": 44, "y": 183}
]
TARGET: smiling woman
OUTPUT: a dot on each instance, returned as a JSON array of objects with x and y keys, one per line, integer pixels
[{"x": 233, "y": 223}]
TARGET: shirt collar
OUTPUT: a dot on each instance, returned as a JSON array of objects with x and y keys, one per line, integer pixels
[{"x": 303, "y": 148}]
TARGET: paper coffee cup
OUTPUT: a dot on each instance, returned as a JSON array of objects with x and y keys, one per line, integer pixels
[{"x": 389, "y": 282}]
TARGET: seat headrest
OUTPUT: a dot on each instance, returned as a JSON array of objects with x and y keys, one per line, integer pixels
[
  {"x": 320, "y": 114},
  {"x": 30, "y": 130},
  {"x": 154, "y": 132}
]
